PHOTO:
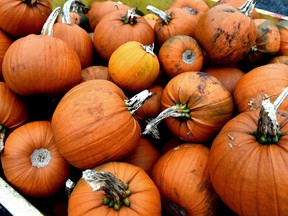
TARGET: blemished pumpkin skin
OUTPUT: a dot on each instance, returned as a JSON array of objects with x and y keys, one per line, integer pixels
[
  {"x": 34, "y": 174},
  {"x": 249, "y": 176},
  {"x": 5, "y": 42},
  {"x": 259, "y": 83},
  {"x": 182, "y": 177},
  {"x": 52, "y": 73},
  {"x": 180, "y": 53},
  {"x": 123, "y": 27},
  {"x": 207, "y": 102},
  {"x": 228, "y": 76},
  {"x": 21, "y": 18},
  {"x": 99, "y": 9},
  {"x": 267, "y": 43},
  {"x": 92, "y": 125},
  {"x": 283, "y": 30},
  {"x": 226, "y": 34},
  {"x": 133, "y": 66},
  {"x": 95, "y": 72},
  {"x": 144, "y": 199}
]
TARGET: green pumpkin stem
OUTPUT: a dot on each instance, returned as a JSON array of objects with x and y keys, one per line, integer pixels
[
  {"x": 247, "y": 7},
  {"x": 134, "y": 103},
  {"x": 114, "y": 188},
  {"x": 165, "y": 17},
  {"x": 130, "y": 17},
  {"x": 268, "y": 130},
  {"x": 176, "y": 111}
]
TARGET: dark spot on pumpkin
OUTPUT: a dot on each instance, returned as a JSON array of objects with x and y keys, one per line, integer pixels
[
  {"x": 200, "y": 89},
  {"x": 230, "y": 11},
  {"x": 265, "y": 30}
]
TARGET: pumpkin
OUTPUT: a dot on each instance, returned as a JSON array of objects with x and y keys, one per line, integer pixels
[
  {"x": 95, "y": 72},
  {"x": 124, "y": 26},
  {"x": 173, "y": 21},
  {"x": 226, "y": 34},
  {"x": 259, "y": 83},
  {"x": 151, "y": 19},
  {"x": 112, "y": 182},
  {"x": 13, "y": 112},
  {"x": 145, "y": 155},
  {"x": 5, "y": 42},
  {"x": 134, "y": 66},
  {"x": 52, "y": 73},
  {"x": 195, "y": 107},
  {"x": 228, "y": 76},
  {"x": 182, "y": 178},
  {"x": 267, "y": 43},
  {"x": 248, "y": 160},
  {"x": 180, "y": 53},
  {"x": 31, "y": 161},
  {"x": 283, "y": 30},
  {"x": 99, "y": 9},
  {"x": 74, "y": 35},
  {"x": 279, "y": 59},
  {"x": 21, "y": 18},
  {"x": 93, "y": 123}
]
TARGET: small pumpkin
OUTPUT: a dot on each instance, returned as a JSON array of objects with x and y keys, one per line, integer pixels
[
  {"x": 134, "y": 66},
  {"x": 182, "y": 177},
  {"x": 283, "y": 30},
  {"x": 180, "y": 53},
  {"x": 31, "y": 161},
  {"x": 248, "y": 160},
  {"x": 95, "y": 72},
  {"x": 101, "y": 189}
]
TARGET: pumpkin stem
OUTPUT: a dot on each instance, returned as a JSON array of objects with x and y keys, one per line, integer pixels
[
  {"x": 134, "y": 103},
  {"x": 161, "y": 14},
  {"x": 69, "y": 185},
  {"x": 3, "y": 131},
  {"x": 47, "y": 28},
  {"x": 268, "y": 130},
  {"x": 177, "y": 111},
  {"x": 72, "y": 6},
  {"x": 40, "y": 157},
  {"x": 149, "y": 48},
  {"x": 247, "y": 7},
  {"x": 115, "y": 189},
  {"x": 130, "y": 17}
]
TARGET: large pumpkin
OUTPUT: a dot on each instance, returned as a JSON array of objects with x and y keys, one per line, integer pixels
[
  {"x": 182, "y": 178},
  {"x": 248, "y": 162},
  {"x": 195, "y": 107},
  {"x": 5, "y": 42},
  {"x": 142, "y": 196},
  {"x": 31, "y": 161},
  {"x": 92, "y": 124}
]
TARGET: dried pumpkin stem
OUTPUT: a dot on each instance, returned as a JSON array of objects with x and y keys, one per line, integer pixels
[
  {"x": 130, "y": 17},
  {"x": 69, "y": 185},
  {"x": 134, "y": 103},
  {"x": 114, "y": 188},
  {"x": 268, "y": 130},
  {"x": 149, "y": 48},
  {"x": 2, "y": 137},
  {"x": 47, "y": 28},
  {"x": 177, "y": 111},
  {"x": 161, "y": 14},
  {"x": 247, "y": 7}
]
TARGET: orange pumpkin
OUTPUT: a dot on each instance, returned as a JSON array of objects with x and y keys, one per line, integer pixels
[
  {"x": 5, "y": 42},
  {"x": 142, "y": 196},
  {"x": 151, "y": 19},
  {"x": 21, "y": 18},
  {"x": 121, "y": 26},
  {"x": 195, "y": 107},
  {"x": 93, "y": 124},
  {"x": 182, "y": 178},
  {"x": 259, "y": 83},
  {"x": 95, "y": 72},
  {"x": 134, "y": 66},
  {"x": 180, "y": 53},
  {"x": 283, "y": 30},
  {"x": 226, "y": 34},
  {"x": 31, "y": 161}
]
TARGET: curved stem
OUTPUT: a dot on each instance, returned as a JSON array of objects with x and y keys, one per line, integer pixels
[
  {"x": 134, "y": 103},
  {"x": 268, "y": 130},
  {"x": 161, "y": 14},
  {"x": 72, "y": 5},
  {"x": 247, "y": 7},
  {"x": 176, "y": 111},
  {"x": 47, "y": 28}
]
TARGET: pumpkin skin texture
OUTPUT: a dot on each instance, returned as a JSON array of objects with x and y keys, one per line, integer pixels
[
  {"x": 247, "y": 175},
  {"x": 21, "y": 18},
  {"x": 182, "y": 178},
  {"x": 209, "y": 103},
  {"x": 226, "y": 34},
  {"x": 34, "y": 179},
  {"x": 124, "y": 28},
  {"x": 180, "y": 53},
  {"x": 132, "y": 67},
  {"x": 283, "y": 30},
  {"x": 144, "y": 200},
  {"x": 28, "y": 73},
  {"x": 92, "y": 125},
  {"x": 5, "y": 42},
  {"x": 258, "y": 83}
]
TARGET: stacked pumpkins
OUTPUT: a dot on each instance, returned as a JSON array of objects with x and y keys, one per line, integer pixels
[{"x": 170, "y": 112}]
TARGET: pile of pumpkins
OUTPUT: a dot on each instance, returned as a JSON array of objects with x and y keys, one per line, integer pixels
[{"x": 168, "y": 112}]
